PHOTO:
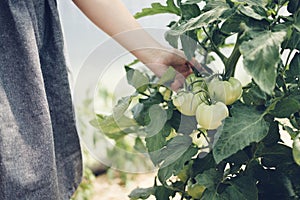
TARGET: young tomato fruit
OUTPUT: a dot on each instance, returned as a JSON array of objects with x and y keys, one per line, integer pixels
[
  {"x": 187, "y": 103},
  {"x": 225, "y": 91},
  {"x": 195, "y": 190},
  {"x": 296, "y": 149},
  {"x": 210, "y": 117}
]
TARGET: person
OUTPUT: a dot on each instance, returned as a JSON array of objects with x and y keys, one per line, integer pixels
[{"x": 40, "y": 156}]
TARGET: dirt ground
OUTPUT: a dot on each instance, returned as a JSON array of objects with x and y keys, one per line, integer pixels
[{"x": 106, "y": 188}]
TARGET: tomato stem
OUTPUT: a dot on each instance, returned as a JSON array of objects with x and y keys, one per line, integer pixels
[
  {"x": 215, "y": 48},
  {"x": 231, "y": 62}
]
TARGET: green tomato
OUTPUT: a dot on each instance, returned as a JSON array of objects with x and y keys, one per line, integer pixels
[
  {"x": 195, "y": 190},
  {"x": 296, "y": 149},
  {"x": 195, "y": 83},
  {"x": 187, "y": 103},
  {"x": 210, "y": 117},
  {"x": 225, "y": 91},
  {"x": 183, "y": 175}
]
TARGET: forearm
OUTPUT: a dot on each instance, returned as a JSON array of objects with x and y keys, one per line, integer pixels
[{"x": 113, "y": 18}]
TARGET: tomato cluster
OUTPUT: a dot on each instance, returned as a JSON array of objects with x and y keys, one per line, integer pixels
[{"x": 207, "y": 99}]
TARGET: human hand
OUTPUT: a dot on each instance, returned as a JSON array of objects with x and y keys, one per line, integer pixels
[{"x": 160, "y": 60}]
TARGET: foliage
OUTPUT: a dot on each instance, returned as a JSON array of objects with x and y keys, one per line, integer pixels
[
  {"x": 85, "y": 190},
  {"x": 244, "y": 158}
]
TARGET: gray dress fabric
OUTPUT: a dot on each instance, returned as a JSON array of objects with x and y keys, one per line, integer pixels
[{"x": 40, "y": 157}]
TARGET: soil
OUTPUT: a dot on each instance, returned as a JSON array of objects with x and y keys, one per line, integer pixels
[{"x": 106, "y": 188}]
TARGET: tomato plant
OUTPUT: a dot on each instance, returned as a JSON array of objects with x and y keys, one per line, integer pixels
[{"x": 248, "y": 156}]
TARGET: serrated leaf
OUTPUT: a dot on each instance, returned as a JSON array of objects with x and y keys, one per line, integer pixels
[
  {"x": 202, "y": 20},
  {"x": 261, "y": 57},
  {"x": 137, "y": 79},
  {"x": 157, "y": 8},
  {"x": 246, "y": 125}
]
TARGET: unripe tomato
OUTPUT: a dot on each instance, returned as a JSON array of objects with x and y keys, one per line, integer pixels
[
  {"x": 195, "y": 190},
  {"x": 183, "y": 175},
  {"x": 195, "y": 84},
  {"x": 225, "y": 91},
  {"x": 187, "y": 103},
  {"x": 296, "y": 149},
  {"x": 210, "y": 117}
]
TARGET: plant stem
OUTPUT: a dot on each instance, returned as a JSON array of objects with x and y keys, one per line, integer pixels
[
  {"x": 215, "y": 48},
  {"x": 230, "y": 64}
]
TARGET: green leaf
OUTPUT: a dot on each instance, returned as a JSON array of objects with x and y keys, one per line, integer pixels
[
  {"x": 121, "y": 107},
  {"x": 189, "y": 11},
  {"x": 192, "y": 2},
  {"x": 261, "y": 3},
  {"x": 202, "y": 20},
  {"x": 182, "y": 123},
  {"x": 286, "y": 107},
  {"x": 177, "y": 152},
  {"x": 294, "y": 70},
  {"x": 252, "y": 12},
  {"x": 209, "y": 178},
  {"x": 189, "y": 44},
  {"x": 246, "y": 125},
  {"x": 137, "y": 79},
  {"x": 114, "y": 129},
  {"x": 175, "y": 148},
  {"x": 202, "y": 164},
  {"x": 211, "y": 195},
  {"x": 261, "y": 57},
  {"x": 253, "y": 95},
  {"x": 157, "y": 8},
  {"x": 139, "y": 145},
  {"x": 141, "y": 193},
  {"x": 167, "y": 77},
  {"x": 273, "y": 156},
  {"x": 158, "y": 118},
  {"x": 241, "y": 188},
  {"x": 232, "y": 23},
  {"x": 155, "y": 145},
  {"x": 163, "y": 193},
  {"x": 172, "y": 39}
]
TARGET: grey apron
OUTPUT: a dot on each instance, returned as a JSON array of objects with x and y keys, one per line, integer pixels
[{"x": 40, "y": 155}]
